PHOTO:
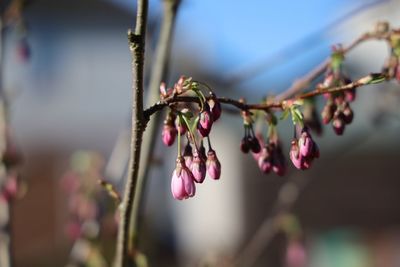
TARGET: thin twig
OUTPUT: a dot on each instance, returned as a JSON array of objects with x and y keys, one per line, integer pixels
[
  {"x": 125, "y": 250},
  {"x": 269, "y": 105}
]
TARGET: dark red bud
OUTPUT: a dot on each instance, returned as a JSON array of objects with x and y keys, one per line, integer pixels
[
  {"x": 244, "y": 145},
  {"x": 338, "y": 123},
  {"x": 348, "y": 115}
]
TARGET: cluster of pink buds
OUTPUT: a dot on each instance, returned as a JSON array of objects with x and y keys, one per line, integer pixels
[
  {"x": 193, "y": 166},
  {"x": 271, "y": 157},
  {"x": 303, "y": 150},
  {"x": 337, "y": 109}
]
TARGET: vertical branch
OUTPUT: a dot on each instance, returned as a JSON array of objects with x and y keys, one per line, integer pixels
[
  {"x": 159, "y": 73},
  {"x": 137, "y": 46}
]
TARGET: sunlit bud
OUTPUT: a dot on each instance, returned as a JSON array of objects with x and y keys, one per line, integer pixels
[
  {"x": 163, "y": 90},
  {"x": 295, "y": 155},
  {"x": 169, "y": 133},
  {"x": 213, "y": 165},
  {"x": 338, "y": 123},
  {"x": 198, "y": 168},
  {"x": 182, "y": 183},
  {"x": 215, "y": 107},
  {"x": 306, "y": 144},
  {"x": 178, "y": 87}
]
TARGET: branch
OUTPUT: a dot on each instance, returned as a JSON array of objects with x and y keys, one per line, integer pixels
[
  {"x": 372, "y": 78},
  {"x": 158, "y": 75},
  {"x": 137, "y": 45}
]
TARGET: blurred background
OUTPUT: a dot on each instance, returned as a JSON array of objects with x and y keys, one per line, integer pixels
[{"x": 73, "y": 94}]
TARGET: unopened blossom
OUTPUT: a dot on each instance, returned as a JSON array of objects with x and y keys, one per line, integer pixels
[
  {"x": 350, "y": 95},
  {"x": 198, "y": 168},
  {"x": 338, "y": 123},
  {"x": 348, "y": 114},
  {"x": 295, "y": 155},
  {"x": 296, "y": 254},
  {"x": 306, "y": 144},
  {"x": 188, "y": 155},
  {"x": 255, "y": 146},
  {"x": 262, "y": 144},
  {"x": 182, "y": 183},
  {"x": 180, "y": 125},
  {"x": 215, "y": 108},
  {"x": 213, "y": 165},
  {"x": 205, "y": 122},
  {"x": 169, "y": 133},
  {"x": 327, "y": 112},
  {"x": 265, "y": 160},
  {"x": 245, "y": 145}
]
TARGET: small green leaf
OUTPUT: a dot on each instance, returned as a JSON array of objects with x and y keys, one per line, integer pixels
[{"x": 285, "y": 114}]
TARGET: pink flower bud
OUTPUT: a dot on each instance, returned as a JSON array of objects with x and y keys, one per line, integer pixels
[
  {"x": 169, "y": 133},
  {"x": 163, "y": 90},
  {"x": 306, "y": 144},
  {"x": 295, "y": 155},
  {"x": 205, "y": 123},
  {"x": 244, "y": 145},
  {"x": 265, "y": 160},
  {"x": 296, "y": 254},
  {"x": 254, "y": 144},
  {"x": 327, "y": 112},
  {"x": 10, "y": 189},
  {"x": 188, "y": 155},
  {"x": 213, "y": 165},
  {"x": 262, "y": 143},
  {"x": 350, "y": 95},
  {"x": 215, "y": 108},
  {"x": 338, "y": 123},
  {"x": 182, "y": 183},
  {"x": 180, "y": 125},
  {"x": 198, "y": 168},
  {"x": 348, "y": 114}
]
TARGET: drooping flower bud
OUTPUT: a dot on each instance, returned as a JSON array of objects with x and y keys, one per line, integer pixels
[
  {"x": 180, "y": 125},
  {"x": 295, "y": 155},
  {"x": 254, "y": 144},
  {"x": 215, "y": 108},
  {"x": 198, "y": 168},
  {"x": 213, "y": 165},
  {"x": 306, "y": 143},
  {"x": 262, "y": 144},
  {"x": 348, "y": 114},
  {"x": 350, "y": 95},
  {"x": 327, "y": 112},
  {"x": 295, "y": 254},
  {"x": 169, "y": 133},
  {"x": 244, "y": 145},
  {"x": 205, "y": 123},
  {"x": 278, "y": 160},
  {"x": 265, "y": 160},
  {"x": 182, "y": 183},
  {"x": 188, "y": 155},
  {"x": 338, "y": 123}
]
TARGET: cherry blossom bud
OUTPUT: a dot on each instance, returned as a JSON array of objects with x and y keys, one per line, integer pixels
[
  {"x": 205, "y": 123},
  {"x": 348, "y": 114},
  {"x": 294, "y": 155},
  {"x": 163, "y": 90},
  {"x": 338, "y": 123},
  {"x": 278, "y": 161},
  {"x": 296, "y": 254},
  {"x": 198, "y": 168},
  {"x": 350, "y": 95},
  {"x": 10, "y": 188},
  {"x": 327, "y": 112},
  {"x": 265, "y": 160},
  {"x": 180, "y": 125},
  {"x": 169, "y": 133},
  {"x": 262, "y": 143},
  {"x": 306, "y": 143},
  {"x": 244, "y": 145},
  {"x": 182, "y": 183},
  {"x": 254, "y": 144},
  {"x": 188, "y": 155},
  {"x": 215, "y": 108},
  {"x": 213, "y": 165}
]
